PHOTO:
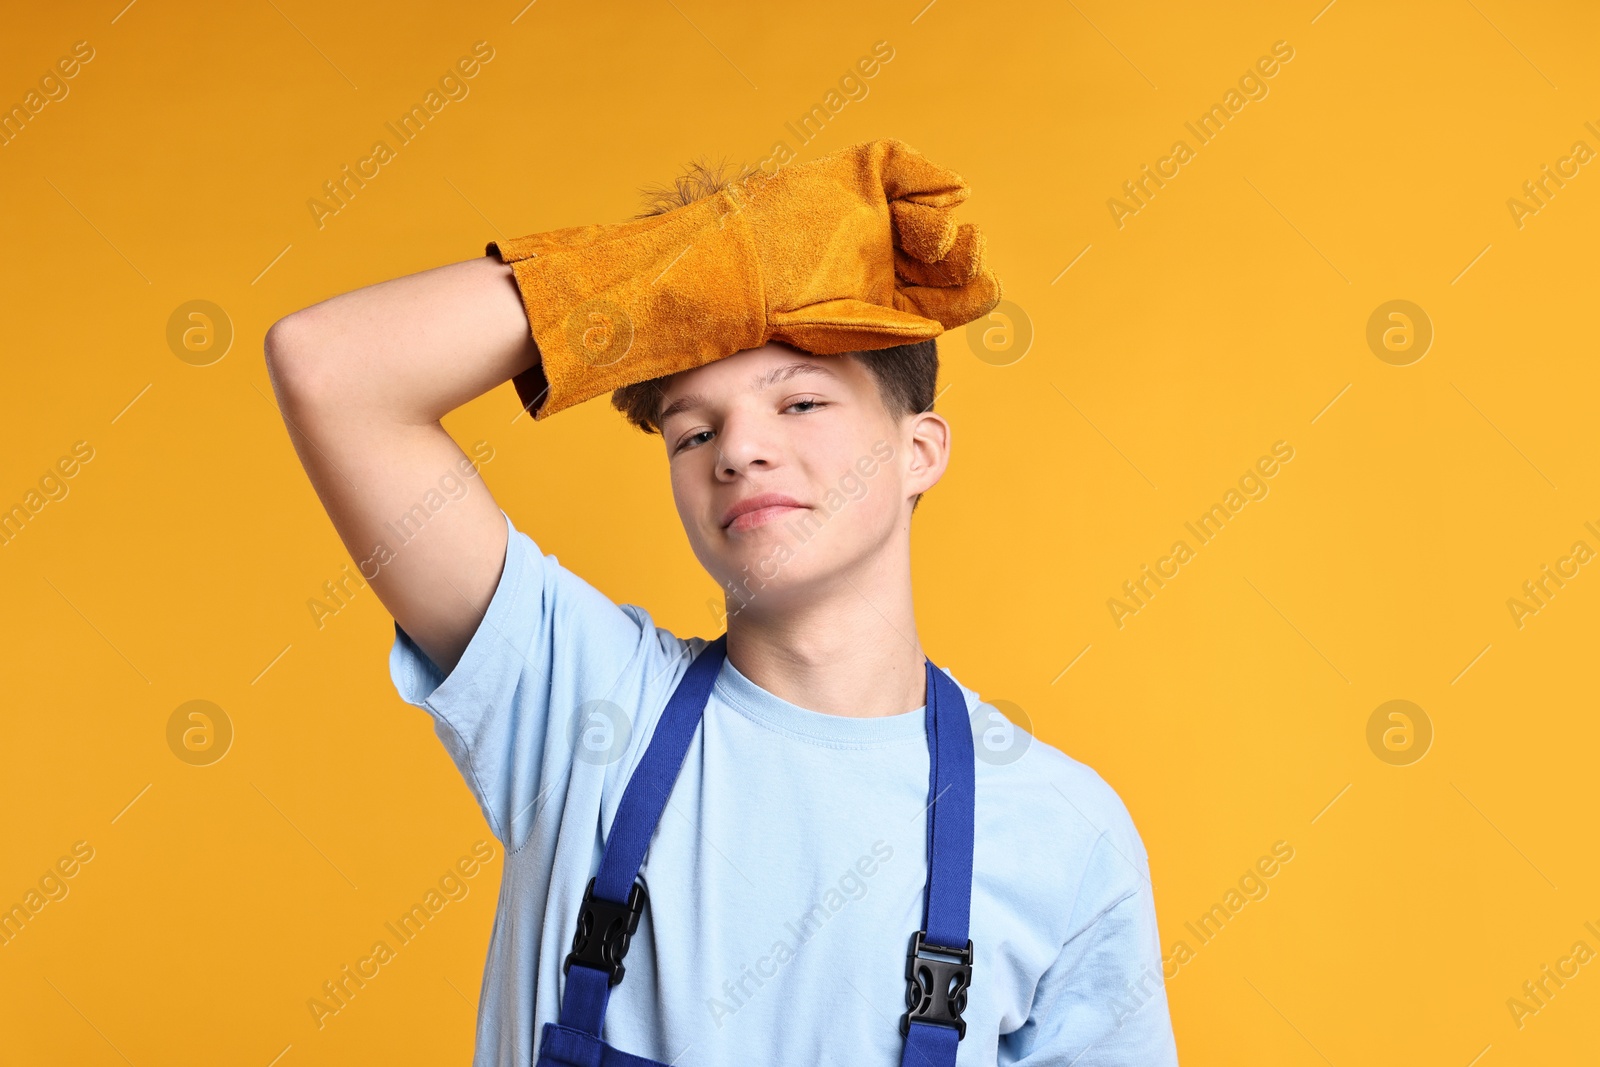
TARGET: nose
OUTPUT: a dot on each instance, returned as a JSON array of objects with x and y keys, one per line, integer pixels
[{"x": 741, "y": 446}]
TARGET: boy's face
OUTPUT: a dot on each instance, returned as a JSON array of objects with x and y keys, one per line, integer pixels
[{"x": 812, "y": 433}]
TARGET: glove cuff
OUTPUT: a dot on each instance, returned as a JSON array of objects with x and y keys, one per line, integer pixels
[{"x": 611, "y": 305}]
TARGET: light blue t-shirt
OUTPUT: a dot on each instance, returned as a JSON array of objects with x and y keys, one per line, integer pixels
[{"x": 786, "y": 876}]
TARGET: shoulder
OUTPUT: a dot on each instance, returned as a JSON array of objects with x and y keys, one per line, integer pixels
[
  {"x": 1072, "y": 836},
  {"x": 1016, "y": 765}
]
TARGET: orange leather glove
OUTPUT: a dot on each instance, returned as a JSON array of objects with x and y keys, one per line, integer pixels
[{"x": 854, "y": 251}]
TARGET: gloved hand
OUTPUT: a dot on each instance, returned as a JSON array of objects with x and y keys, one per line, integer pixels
[{"x": 854, "y": 251}]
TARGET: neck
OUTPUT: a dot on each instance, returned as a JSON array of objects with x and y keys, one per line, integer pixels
[{"x": 853, "y": 650}]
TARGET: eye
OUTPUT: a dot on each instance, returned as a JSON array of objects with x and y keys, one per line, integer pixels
[
  {"x": 807, "y": 404},
  {"x": 689, "y": 440}
]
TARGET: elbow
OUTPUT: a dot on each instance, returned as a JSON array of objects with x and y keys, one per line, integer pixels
[{"x": 289, "y": 351}]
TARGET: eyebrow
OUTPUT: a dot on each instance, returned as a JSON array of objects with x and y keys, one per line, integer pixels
[{"x": 759, "y": 381}]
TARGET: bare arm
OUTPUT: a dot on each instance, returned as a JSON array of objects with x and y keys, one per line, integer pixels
[{"x": 362, "y": 380}]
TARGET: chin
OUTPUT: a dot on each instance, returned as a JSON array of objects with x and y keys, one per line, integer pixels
[
  {"x": 749, "y": 595},
  {"x": 767, "y": 566},
  {"x": 773, "y": 559}
]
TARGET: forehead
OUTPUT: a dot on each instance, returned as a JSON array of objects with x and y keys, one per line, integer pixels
[{"x": 751, "y": 371}]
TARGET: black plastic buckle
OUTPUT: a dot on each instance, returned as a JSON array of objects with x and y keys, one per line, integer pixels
[
  {"x": 936, "y": 989},
  {"x": 604, "y": 928}
]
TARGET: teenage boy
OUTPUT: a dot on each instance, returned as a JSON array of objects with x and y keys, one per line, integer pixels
[{"x": 799, "y": 842}]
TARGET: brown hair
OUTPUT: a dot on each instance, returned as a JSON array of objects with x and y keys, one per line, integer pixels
[{"x": 907, "y": 375}]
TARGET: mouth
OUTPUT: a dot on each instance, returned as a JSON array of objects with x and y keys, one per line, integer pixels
[
  {"x": 761, "y": 516},
  {"x": 759, "y": 510}
]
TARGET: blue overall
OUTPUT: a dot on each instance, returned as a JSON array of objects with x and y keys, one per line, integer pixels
[{"x": 938, "y": 963}]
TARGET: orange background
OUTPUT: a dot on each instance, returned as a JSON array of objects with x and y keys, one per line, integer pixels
[{"x": 1229, "y": 313}]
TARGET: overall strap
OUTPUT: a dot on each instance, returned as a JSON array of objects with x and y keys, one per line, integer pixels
[
  {"x": 939, "y": 961},
  {"x": 613, "y": 902}
]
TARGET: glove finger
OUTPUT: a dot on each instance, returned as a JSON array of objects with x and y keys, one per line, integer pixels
[
  {"x": 928, "y": 233},
  {"x": 907, "y": 174},
  {"x": 959, "y": 266},
  {"x": 831, "y": 327},
  {"x": 952, "y": 307}
]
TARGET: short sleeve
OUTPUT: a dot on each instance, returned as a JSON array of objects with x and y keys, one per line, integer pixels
[
  {"x": 549, "y": 643},
  {"x": 1103, "y": 1002}
]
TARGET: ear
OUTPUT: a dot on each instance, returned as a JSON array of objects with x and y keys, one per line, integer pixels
[{"x": 928, "y": 440}]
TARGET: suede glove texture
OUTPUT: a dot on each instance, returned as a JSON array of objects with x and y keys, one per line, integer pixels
[{"x": 854, "y": 251}]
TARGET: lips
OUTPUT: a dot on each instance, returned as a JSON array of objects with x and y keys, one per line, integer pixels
[{"x": 753, "y": 511}]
